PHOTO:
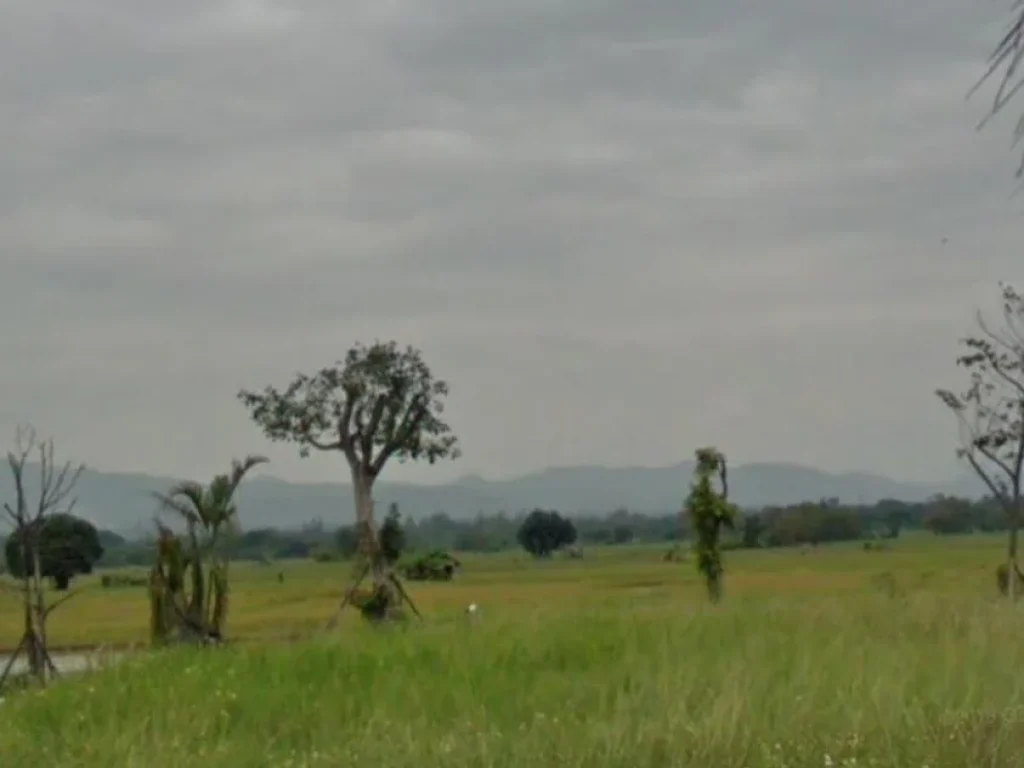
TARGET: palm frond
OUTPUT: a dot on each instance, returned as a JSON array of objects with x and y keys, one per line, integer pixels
[
  {"x": 239, "y": 469},
  {"x": 1007, "y": 56},
  {"x": 186, "y": 499},
  {"x": 219, "y": 494}
]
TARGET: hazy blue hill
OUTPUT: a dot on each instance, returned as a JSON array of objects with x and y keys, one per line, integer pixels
[{"x": 123, "y": 502}]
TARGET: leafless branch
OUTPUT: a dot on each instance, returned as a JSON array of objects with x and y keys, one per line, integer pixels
[
  {"x": 990, "y": 413},
  {"x": 63, "y": 599},
  {"x": 24, "y": 443},
  {"x": 55, "y": 486}
]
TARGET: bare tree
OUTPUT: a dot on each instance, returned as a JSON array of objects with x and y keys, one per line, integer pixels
[
  {"x": 27, "y": 518},
  {"x": 380, "y": 403},
  {"x": 1005, "y": 60},
  {"x": 990, "y": 414}
]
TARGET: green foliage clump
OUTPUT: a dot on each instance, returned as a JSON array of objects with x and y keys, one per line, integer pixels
[
  {"x": 68, "y": 546},
  {"x": 392, "y": 536},
  {"x": 544, "y": 532},
  {"x": 189, "y": 580},
  {"x": 709, "y": 512},
  {"x": 377, "y": 604},
  {"x": 188, "y": 596},
  {"x": 436, "y": 565}
]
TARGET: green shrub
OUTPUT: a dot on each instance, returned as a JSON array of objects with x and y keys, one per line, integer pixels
[
  {"x": 115, "y": 580},
  {"x": 437, "y": 565},
  {"x": 324, "y": 555}
]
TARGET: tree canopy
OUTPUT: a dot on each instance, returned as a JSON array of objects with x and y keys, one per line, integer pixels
[
  {"x": 544, "y": 532},
  {"x": 68, "y": 546},
  {"x": 379, "y": 402}
]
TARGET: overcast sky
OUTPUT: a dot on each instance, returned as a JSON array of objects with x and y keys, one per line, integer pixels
[{"x": 620, "y": 230}]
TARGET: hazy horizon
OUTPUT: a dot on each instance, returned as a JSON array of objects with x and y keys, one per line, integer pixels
[
  {"x": 267, "y": 472},
  {"x": 619, "y": 230}
]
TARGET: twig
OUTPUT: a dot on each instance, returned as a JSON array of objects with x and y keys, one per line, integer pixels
[{"x": 59, "y": 602}]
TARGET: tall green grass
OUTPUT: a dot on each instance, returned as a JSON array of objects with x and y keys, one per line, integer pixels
[{"x": 867, "y": 680}]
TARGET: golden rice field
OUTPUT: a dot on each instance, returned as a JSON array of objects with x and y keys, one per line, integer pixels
[
  {"x": 827, "y": 657},
  {"x": 510, "y": 583}
]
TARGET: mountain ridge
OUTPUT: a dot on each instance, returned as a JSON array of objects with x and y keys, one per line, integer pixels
[{"x": 123, "y": 501}]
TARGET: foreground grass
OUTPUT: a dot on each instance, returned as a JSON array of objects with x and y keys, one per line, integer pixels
[{"x": 906, "y": 681}]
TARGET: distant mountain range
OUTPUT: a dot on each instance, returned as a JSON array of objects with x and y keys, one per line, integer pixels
[{"x": 123, "y": 502}]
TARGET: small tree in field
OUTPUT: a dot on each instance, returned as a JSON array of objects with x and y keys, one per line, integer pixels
[
  {"x": 392, "y": 536},
  {"x": 188, "y": 587},
  {"x": 67, "y": 547},
  {"x": 380, "y": 402},
  {"x": 990, "y": 415},
  {"x": 544, "y": 532},
  {"x": 27, "y": 517},
  {"x": 710, "y": 510}
]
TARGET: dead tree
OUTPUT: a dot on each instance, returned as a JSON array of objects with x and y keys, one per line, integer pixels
[
  {"x": 990, "y": 414},
  {"x": 27, "y": 518},
  {"x": 380, "y": 402}
]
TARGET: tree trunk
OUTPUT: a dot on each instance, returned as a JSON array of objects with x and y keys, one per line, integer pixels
[
  {"x": 37, "y": 647},
  {"x": 1012, "y": 569},
  {"x": 386, "y": 599},
  {"x": 362, "y": 488},
  {"x": 35, "y": 662},
  {"x": 31, "y": 598}
]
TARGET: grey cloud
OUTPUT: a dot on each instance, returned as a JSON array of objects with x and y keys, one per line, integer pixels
[{"x": 620, "y": 229}]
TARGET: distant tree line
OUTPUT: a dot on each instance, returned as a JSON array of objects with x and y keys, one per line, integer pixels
[
  {"x": 807, "y": 523},
  {"x": 817, "y": 522},
  {"x": 829, "y": 521}
]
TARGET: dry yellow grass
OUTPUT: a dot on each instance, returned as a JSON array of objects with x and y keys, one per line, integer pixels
[{"x": 263, "y": 609}]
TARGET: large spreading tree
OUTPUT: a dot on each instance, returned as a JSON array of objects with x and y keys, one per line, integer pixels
[
  {"x": 990, "y": 414},
  {"x": 381, "y": 402}
]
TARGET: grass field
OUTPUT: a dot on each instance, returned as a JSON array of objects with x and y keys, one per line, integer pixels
[{"x": 833, "y": 656}]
